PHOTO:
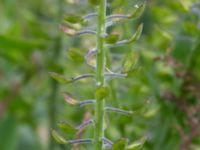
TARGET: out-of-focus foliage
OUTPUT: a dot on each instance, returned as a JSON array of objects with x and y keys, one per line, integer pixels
[{"x": 162, "y": 87}]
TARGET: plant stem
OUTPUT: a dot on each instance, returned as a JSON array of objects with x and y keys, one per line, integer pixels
[{"x": 100, "y": 79}]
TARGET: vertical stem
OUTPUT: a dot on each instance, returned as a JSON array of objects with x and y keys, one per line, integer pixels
[{"x": 100, "y": 79}]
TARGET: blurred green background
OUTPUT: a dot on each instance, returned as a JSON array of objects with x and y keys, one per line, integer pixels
[{"x": 164, "y": 86}]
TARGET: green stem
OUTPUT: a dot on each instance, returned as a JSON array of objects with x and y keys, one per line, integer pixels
[{"x": 100, "y": 79}]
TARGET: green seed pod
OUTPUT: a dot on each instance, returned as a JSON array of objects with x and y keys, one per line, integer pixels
[
  {"x": 66, "y": 127},
  {"x": 73, "y": 18},
  {"x": 58, "y": 137},
  {"x": 59, "y": 78},
  {"x": 139, "y": 9}
]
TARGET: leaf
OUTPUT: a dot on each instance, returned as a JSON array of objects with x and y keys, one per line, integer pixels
[
  {"x": 101, "y": 93},
  {"x": 111, "y": 39},
  {"x": 7, "y": 42},
  {"x": 73, "y": 18},
  {"x": 94, "y": 2},
  {"x": 59, "y": 78},
  {"x": 58, "y": 138},
  {"x": 67, "y": 127},
  {"x": 137, "y": 34},
  {"x": 129, "y": 62},
  {"x": 8, "y": 133},
  {"x": 136, "y": 144},
  {"x": 69, "y": 99},
  {"x": 120, "y": 144},
  {"x": 139, "y": 9}
]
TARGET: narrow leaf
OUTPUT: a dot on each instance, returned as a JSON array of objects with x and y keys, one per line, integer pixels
[
  {"x": 58, "y": 138},
  {"x": 120, "y": 144}
]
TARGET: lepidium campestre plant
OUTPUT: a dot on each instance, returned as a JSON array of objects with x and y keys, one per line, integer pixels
[{"x": 75, "y": 25}]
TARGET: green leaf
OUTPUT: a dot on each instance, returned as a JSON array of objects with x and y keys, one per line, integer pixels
[
  {"x": 101, "y": 93},
  {"x": 111, "y": 39},
  {"x": 191, "y": 28},
  {"x": 66, "y": 127},
  {"x": 139, "y": 9},
  {"x": 94, "y": 2},
  {"x": 120, "y": 144},
  {"x": 59, "y": 78},
  {"x": 68, "y": 98},
  {"x": 7, "y": 42},
  {"x": 73, "y": 18},
  {"x": 129, "y": 62},
  {"x": 58, "y": 138},
  {"x": 8, "y": 133},
  {"x": 137, "y": 34},
  {"x": 137, "y": 144}
]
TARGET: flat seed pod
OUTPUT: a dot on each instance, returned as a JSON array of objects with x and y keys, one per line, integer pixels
[
  {"x": 66, "y": 127},
  {"x": 129, "y": 62},
  {"x": 90, "y": 58},
  {"x": 139, "y": 9},
  {"x": 68, "y": 98},
  {"x": 58, "y": 137},
  {"x": 59, "y": 78},
  {"x": 137, "y": 144},
  {"x": 68, "y": 31},
  {"x": 76, "y": 55},
  {"x": 137, "y": 34},
  {"x": 73, "y": 18}
]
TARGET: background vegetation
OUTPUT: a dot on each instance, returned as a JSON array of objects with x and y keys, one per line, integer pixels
[{"x": 164, "y": 85}]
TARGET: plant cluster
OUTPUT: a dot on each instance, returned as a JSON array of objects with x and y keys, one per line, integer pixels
[{"x": 96, "y": 58}]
